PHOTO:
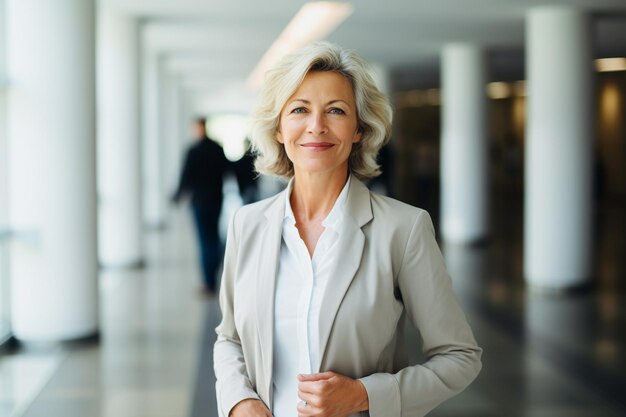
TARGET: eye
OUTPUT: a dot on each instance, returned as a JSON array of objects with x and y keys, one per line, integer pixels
[
  {"x": 336, "y": 110},
  {"x": 299, "y": 110}
]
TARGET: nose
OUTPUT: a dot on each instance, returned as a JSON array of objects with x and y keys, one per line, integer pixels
[{"x": 317, "y": 124}]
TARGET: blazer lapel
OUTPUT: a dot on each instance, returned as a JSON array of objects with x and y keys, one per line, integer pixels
[
  {"x": 358, "y": 212},
  {"x": 267, "y": 268}
]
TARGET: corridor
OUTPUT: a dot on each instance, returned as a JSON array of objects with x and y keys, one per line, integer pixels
[
  {"x": 545, "y": 355},
  {"x": 509, "y": 128}
]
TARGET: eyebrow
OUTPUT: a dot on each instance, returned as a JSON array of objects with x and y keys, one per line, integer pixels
[{"x": 330, "y": 102}]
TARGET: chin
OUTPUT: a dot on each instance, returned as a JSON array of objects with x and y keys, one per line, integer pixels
[{"x": 320, "y": 169}]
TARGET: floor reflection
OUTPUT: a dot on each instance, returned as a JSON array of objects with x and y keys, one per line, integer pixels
[{"x": 545, "y": 355}]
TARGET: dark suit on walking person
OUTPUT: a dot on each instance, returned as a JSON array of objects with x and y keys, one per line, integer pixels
[
  {"x": 202, "y": 178},
  {"x": 247, "y": 178}
]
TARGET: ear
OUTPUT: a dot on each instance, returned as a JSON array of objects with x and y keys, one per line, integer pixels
[
  {"x": 357, "y": 136},
  {"x": 279, "y": 137}
]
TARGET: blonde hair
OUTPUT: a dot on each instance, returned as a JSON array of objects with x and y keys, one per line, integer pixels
[{"x": 373, "y": 109}]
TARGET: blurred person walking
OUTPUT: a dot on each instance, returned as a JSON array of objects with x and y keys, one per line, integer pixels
[{"x": 202, "y": 178}]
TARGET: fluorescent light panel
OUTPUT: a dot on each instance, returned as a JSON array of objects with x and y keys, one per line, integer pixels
[{"x": 314, "y": 21}]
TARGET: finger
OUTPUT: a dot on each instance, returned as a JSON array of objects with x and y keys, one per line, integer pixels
[
  {"x": 309, "y": 387},
  {"x": 315, "y": 383},
  {"x": 305, "y": 409},
  {"x": 307, "y": 397},
  {"x": 316, "y": 377}
]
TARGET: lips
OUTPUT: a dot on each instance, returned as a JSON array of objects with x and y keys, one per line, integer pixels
[{"x": 317, "y": 146}]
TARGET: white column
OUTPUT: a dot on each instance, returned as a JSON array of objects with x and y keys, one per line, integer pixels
[
  {"x": 52, "y": 169},
  {"x": 558, "y": 227},
  {"x": 3, "y": 132},
  {"x": 119, "y": 162},
  {"x": 186, "y": 117},
  {"x": 464, "y": 145},
  {"x": 181, "y": 135},
  {"x": 170, "y": 127},
  {"x": 4, "y": 202},
  {"x": 153, "y": 199}
]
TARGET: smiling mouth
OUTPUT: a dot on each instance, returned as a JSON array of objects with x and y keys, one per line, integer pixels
[{"x": 317, "y": 146}]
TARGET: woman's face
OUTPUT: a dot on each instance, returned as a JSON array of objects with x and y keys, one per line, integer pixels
[{"x": 318, "y": 124}]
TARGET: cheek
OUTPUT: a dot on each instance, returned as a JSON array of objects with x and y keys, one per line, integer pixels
[{"x": 289, "y": 131}]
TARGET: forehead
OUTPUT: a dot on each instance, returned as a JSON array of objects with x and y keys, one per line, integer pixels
[{"x": 326, "y": 83}]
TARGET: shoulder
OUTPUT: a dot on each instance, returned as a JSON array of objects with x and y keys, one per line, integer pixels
[
  {"x": 394, "y": 211},
  {"x": 399, "y": 221},
  {"x": 249, "y": 223},
  {"x": 257, "y": 211},
  {"x": 207, "y": 145},
  {"x": 194, "y": 148},
  {"x": 385, "y": 214}
]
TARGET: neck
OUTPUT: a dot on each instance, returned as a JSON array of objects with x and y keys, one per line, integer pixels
[{"x": 313, "y": 196}]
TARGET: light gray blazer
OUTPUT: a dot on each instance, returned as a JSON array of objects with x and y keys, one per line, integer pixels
[{"x": 390, "y": 268}]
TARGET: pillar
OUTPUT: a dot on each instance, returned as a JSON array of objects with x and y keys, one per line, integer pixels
[
  {"x": 464, "y": 145},
  {"x": 3, "y": 132},
  {"x": 4, "y": 203},
  {"x": 52, "y": 169},
  {"x": 154, "y": 200},
  {"x": 557, "y": 234},
  {"x": 182, "y": 133},
  {"x": 170, "y": 127},
  {"x": 119, "y": 162},
  {"x": 186, "y": 118}
]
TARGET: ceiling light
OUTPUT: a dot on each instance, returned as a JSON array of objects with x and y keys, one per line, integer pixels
[
  {"x": 498, "y": 90},
  {"x": 611, "y": 64},
  {"x": 314, "y": 21}
]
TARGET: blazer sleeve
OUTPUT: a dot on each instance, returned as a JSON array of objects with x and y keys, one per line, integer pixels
[
  {"x": 233, "y": 383},
  {"x": 453, "y": 357}
]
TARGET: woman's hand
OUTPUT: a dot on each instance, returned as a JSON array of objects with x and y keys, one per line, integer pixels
[
  {"x": 330, "y": 394},
  {"x": 250, "y": 408}
]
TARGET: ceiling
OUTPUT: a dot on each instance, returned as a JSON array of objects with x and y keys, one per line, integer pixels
[{"x": 212, "y": 46}]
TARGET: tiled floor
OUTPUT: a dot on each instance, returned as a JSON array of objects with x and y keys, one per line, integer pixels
[
  {"x": 22, "y": 377},
  {"x": 145, "y": 362},
  {"x": 544, "y": 355}
]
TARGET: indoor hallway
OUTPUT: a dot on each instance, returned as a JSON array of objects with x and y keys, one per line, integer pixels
[
  {"x": 146, "y": 361},
  {"x": 545, "y": 355}
]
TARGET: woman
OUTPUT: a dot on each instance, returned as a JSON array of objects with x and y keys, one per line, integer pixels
[{"x": 318, "y": 279}]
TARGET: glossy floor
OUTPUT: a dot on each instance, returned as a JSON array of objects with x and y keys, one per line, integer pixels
[{"x": 546, "y": 355}]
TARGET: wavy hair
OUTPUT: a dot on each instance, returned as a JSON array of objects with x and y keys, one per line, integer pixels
[{"x": 373, "y": 109}]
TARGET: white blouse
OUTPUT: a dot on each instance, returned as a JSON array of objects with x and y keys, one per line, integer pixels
[{"x": 300, "y": 285}]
